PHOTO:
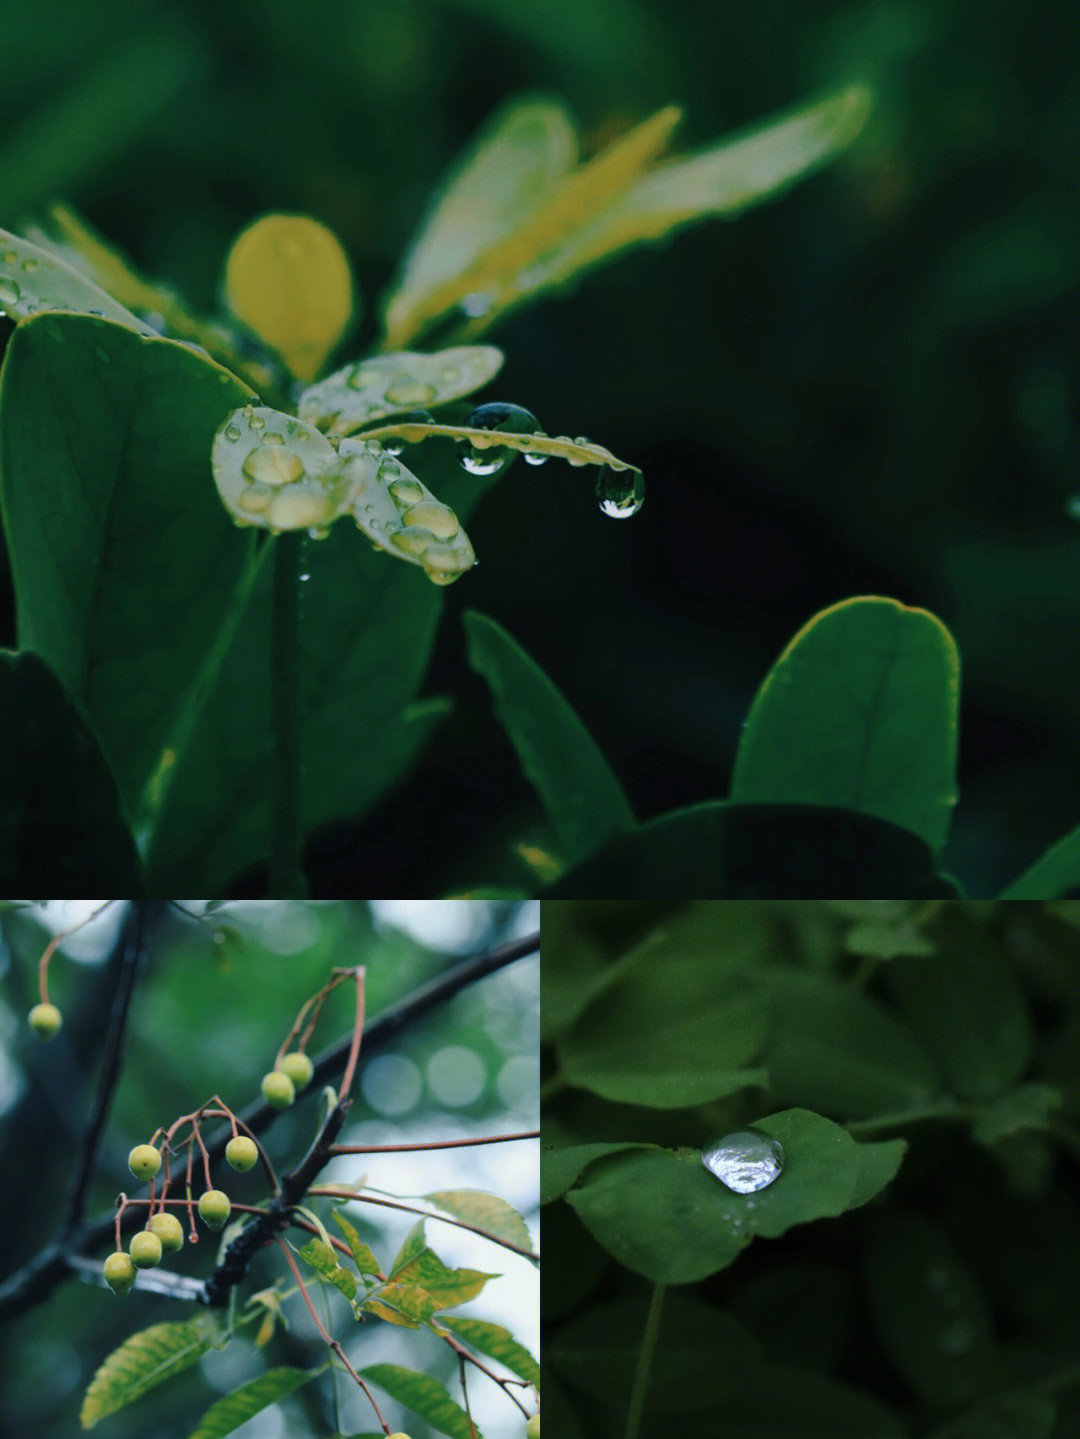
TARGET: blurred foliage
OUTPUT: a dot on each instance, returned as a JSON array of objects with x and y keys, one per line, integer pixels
[{"x": 868, "y": 387}]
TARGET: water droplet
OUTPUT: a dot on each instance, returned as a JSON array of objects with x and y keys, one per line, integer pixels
[
  {"x": 479, "y": 462},
  {"x": 621, "y": 493},
  {"x": 416, "y": 417},
  {"x": 10, "y": 257},
  {"x": 406, "y": 492},
  {"x": 232, "y": 432},
  {"x": 9, "y": 292},
  {"x": 29, "y": 265},
  {"x": 299, "y": 510},
  {"x": 412, "y": 542},
  {"x": 273, "y": 439},
  {"x": 476, "y": 303},
  {"x": 745, "y": 1160},
  {"x": 410, "y": 392},
  {"x": 257, "y": 422},
  {"x": 305, "y": 577},
  {"x": 254, "y": 500},
  {"x": 441, "y": 521},
  {"x": 317, "y": 532},
  {"x": 393, "y": 447},
  {"x": 273, "y": 466}
]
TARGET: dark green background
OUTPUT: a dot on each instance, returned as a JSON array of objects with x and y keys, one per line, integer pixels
[{"x": 869, "y": 385}]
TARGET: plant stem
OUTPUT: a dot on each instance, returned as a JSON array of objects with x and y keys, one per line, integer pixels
[
  {"x": 287, "y": 879},
  {"x": 644, "y": 1363}
]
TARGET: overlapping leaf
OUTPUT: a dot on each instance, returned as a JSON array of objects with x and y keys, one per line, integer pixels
[
  {"x": 250, "y": 1399},
  {"x": 33, "y": 279},
  {"x": 146, "y": 1360},
  {"x": 366, "y": 390}
]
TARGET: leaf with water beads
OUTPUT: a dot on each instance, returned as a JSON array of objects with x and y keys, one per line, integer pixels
[
  {"x": 275, "y": 472},
  {"x": 394, "y": 384},
  {"x": 33, "y": 279}
]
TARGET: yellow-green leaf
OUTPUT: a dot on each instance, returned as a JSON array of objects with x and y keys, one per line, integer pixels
[
  {"x": 323, "y": 1259},
  {"x": 404, "y": 1304},
  {"x": 423, "y": 1395},
  {"x": 494, "y": 1340},
  {"x": 486, "y": 1212},
  {"x": 364, "y": 1259},
  {"x": 446, "y": 1287},
  {"x": 237, "y": 1408},
  {"x": 147, "y": 1360},
  {"x": 393, "y": 384},
  {"x": 288, "y": 279},
  {"x": 519, "y": 157},
  {"x": 34, "y": 279}
]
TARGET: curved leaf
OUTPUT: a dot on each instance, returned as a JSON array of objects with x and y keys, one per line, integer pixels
[
  {"x": 582, "y": 797},
  {"x": 237, "y": 1408},
  {"x": 394, "y": 384},
  {"x": 33, "y": 279},
  {"x": 575, "y": 452},
  {"x": 1053, "y": 874},
  {"x": 859, "y": 711},
  {"x": 495, "y": 1341},
  {"x": 423, "y": 1395},
  {"x": 146, "y": 1360},
  {"x": 486, "y": 1212}
]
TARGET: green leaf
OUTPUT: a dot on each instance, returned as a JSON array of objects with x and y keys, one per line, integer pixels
[
  {"x": 33, "y": 279},
  {"x": 393, "y": 384},
  {"x": 679, "y": 1028},
  {"x": 146, "y": 1360},
  {"x": 486, "y": 1212},
  {"x": 109, "y": 514},
  {"x": 596, "y": 1351},
  {"x": 236, "y": 1408},
  {"x": 519, "y": 156},
  {"x": 561, "y": 1168},
  {"x": 967, "y": 1008},
  {"x": 1052, "y": 874},
  {"x": 1004, "y": 1416},
  {"x": 445, "y": 1287},
  {"x": 1028, "y": 1107},
  {"x": 288, "y": 279},
  {"x": 775, "y": 1401},
  {"x": 663, "y": 1216},
  {"x": 582, "y": 797},
  {"x": 423, "y": 1395},
  {"x": 879, "y": 1165},
  {"x": 495, "y": 1341},
  {"x": 407, "y": 1305},
  {"x": 323, "y": 1259},
  {"x": 362, "y": 1256},
  {"x": 59, "y": 810},
  {"x": 859, "y": 711},
  {"x": 927, "y": 1309},
  {"x": 413, "y": 1244},
  {"x": 755, "y": 851},
  {"x": 834, "y": 1049}
]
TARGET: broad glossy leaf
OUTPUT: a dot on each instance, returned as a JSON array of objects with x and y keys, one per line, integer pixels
[
  {"x": 146, "y": 1360},
  {"x": 496, "y": 1341},
  {"x": 859, "y": 711},
  {"x": 1054, "y": 873},
  {"x": 967, "y": 1007},
  {"x": 366, "y": 390},
  {"x": 756, "y": 851},
  {"x": 778, "y": 1401},
  {"x": 251, "y": 1398},
  {"x": 127, "y": 572},
  {"x": 519, "y": 156},
  {"x": 927, "y": 1309},
  {"x": 834, "y": 1049},
  {"x": 560, "y": 1169},
  {"x": 486, "y": 1212},
  {"x": 879, "y": 1164},
  {"x": 582, "y": 797},
  {"x": 33, "y": 279},
  {"x": 60, "y": 817},
  {"x": 1027, "y": 1107},
  {"x": 288, "y": 279},
  {"x": 422, "y": 1394},
  {"x": 673, "y": 1032}
]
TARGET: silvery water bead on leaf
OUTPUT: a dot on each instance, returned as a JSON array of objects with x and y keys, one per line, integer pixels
[
  {"x": 745, "y": 1160},
  {"x": 495, "y": 415}
]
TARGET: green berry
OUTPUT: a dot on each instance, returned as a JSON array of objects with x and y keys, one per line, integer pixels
[
  {"x": 399, "y": 1435},
  {"x": 298, "y": 1067},
  {"x": 119, "y": 1272},
  {"x": 45, "y": 1020},
  {"x": 168, "y": 1230},
  {"x": 278, "y": 1089},
  {"x": 532, "y": 1429},
  {"x": 214, "y": 1208},
  {"x": 145, "y": 1250},
  {"x": 242, "y": 1153},
  {"x": 144, "y": 1161}
]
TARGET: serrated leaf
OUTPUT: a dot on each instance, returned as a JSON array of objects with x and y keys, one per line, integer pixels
[
  {"x": 323, "y": 1259},
  {"x": 393, "y": 384},
  {"x": 445, "y": 1287},
  {"x": 234, "y": 1409},
  {"x": 146, "y": 1360},
  {"x": 277, "y": 473},
  {"x": 582, "y": 797},
  {"x": 362, "y": 1256},
  {"x": 424, "y": 1396},
  {"x": 33, "y": 279},
  {"x": 509, "y": 170},
  {"x": 486, "y": 1212},
  {"x": 288, "y": 279},
  {"x": 495, "y": 1341}
]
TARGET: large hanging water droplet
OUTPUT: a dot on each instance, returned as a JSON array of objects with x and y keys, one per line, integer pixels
[
  {"x": 621, "y": 493},
  {"x": 496, "y": 415},
  {"x": 745, "y": 1161},
  {"x": 480, "y": 462}
]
